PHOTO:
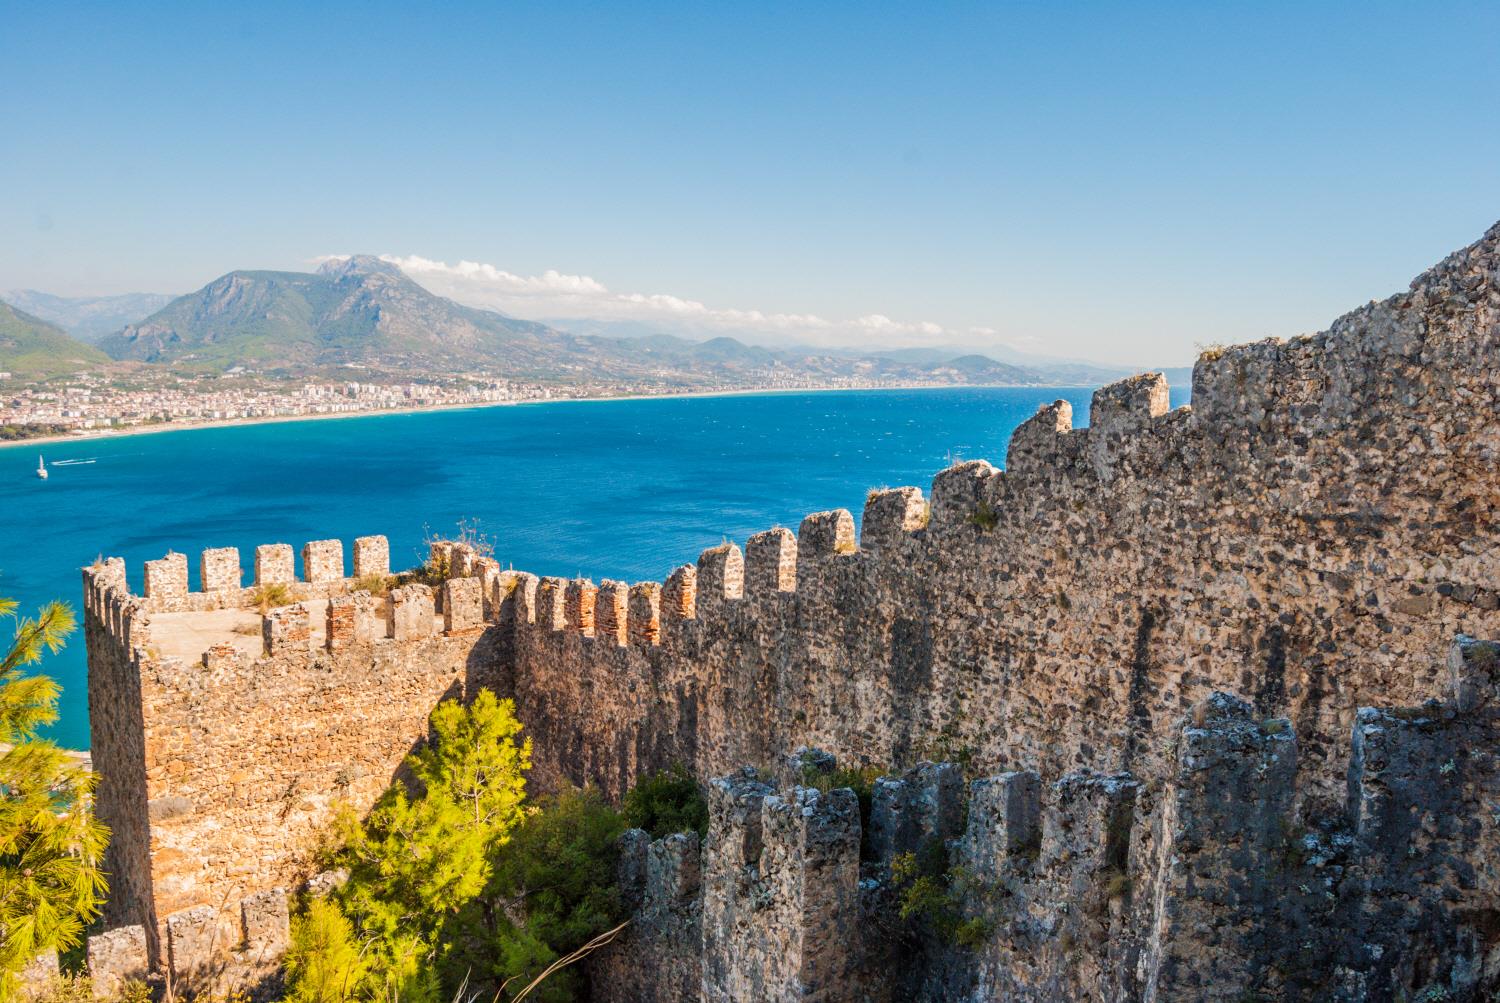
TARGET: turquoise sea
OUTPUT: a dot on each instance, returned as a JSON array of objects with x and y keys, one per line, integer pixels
[{"x": 611, "y": 489}]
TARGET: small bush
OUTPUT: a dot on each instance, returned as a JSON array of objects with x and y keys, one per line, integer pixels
[
  {"x": 984, "y": 516},
  {"x": 666, "y": 802},
  {"x": 936, "y": 895},
  {"x": 377, "y": 585},
  {"x": 434, "y": 571},
  {"x": 269, "y": 596}
]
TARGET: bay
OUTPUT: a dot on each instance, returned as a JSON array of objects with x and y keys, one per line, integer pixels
[{"x": 624, "y": 489}]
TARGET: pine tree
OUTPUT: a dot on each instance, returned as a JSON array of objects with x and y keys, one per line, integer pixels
[
  {"x": 51, "y": 884},
  {"x": 426, "y": 849}
]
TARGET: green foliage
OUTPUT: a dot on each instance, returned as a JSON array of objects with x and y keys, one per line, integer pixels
[
  {"x": 67, "y": 988},
  {"x": 434, "y": 571},
  {"x": 553, "y": 889},
  {"x": 324, "y": 963},
  {"x": 456, "y": 884},
  {"x": 13, "y": 433},
  {"x": 418, "y": 859},
  {"x": 666, "y": 802},
  {"x": 51, "y": 847},
  {"x": 31, "y": 348},
  {"x": 947, "y": 900}
]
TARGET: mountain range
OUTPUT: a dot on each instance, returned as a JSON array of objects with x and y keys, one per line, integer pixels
[
  {"x": 364, "y": 312},
  {"x": 87, "y": 318}
]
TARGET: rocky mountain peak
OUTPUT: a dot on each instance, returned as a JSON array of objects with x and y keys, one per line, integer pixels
[{"x": 359, "y": 265}]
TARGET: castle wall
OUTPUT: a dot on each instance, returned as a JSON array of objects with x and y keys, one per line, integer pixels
[
  {"x": 1308, "y": 534},
  {"x": 220, "y": 775},
  {"x": 659, "y": 957}
]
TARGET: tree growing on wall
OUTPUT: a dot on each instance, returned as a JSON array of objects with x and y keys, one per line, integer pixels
[
  {"x": 51, "y": 884},
  {"x": 458, "y": 886}
]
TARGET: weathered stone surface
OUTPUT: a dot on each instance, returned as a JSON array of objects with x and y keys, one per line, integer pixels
[
  {"x": 644, "y": 616},
  {"x": 659, "y": 958},
  {"x": 770, "y": 562},
  {"x": 37, "y": 979},
  {"x": 220, "y": 569},
  {"x": 1225, "y": 826},
  {"x": 339, "y": 623},
  {"x": 274, "y": 564},
  {"x": 923, "y": 806},
  {"x": 323, "y": 561},
  {"x": 890, "y": 515},
  {"x": 611, "y": 612},
  {"x": 410, "y": 612},
  {"x": 463, "y": 604},
  {"x": 679, "y": 597},
  {"x": 1004, "y": 824},
  {"x": 287, "y": 629},
  {"x": 781, "y": 893},
  {"x": 721, "y": 578},
  {"x": 166, "y": 578},
  {"x": 117, "y": 957},
  {"x": 372, "y": 556},
  {"x": 267, "y": 924},
  {"x": 191, "y": 937},
  {"x": 578, "y": 606}
]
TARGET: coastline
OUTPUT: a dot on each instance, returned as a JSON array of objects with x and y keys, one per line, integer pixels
[{"x": 105, "y": 435}]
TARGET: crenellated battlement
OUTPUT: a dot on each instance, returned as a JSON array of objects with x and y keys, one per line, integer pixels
[
  {"x": 1309, "y": 536},
  {"x": 1086, "y": 886}
]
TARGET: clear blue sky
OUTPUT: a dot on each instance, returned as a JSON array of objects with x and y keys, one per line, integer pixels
[{"x": 1116, "y": 181}]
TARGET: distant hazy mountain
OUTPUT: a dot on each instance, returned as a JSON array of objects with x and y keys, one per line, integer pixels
[
  {"x": 88, "y": 318},
  {"x": 31, "y": 348},
  {"x": 367, "y": 312},
  {"x": 1040, "y": 368}
]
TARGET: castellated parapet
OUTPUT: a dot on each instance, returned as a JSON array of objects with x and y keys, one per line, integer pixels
[{"x": 1306, "y": 539}]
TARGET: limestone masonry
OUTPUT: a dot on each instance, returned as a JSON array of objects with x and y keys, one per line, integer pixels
[{"x": 1189, "y": 696}]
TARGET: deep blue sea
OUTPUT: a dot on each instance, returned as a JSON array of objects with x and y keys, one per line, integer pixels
[{"x": 611, "y": 489}]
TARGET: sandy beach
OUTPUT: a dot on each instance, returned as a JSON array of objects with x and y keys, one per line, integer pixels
[{"x": 103, "y": 434}]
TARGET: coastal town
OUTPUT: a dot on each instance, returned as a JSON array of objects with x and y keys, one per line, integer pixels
[{"x": 90, "y": 404}]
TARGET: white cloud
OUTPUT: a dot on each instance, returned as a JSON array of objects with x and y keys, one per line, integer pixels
[{"x": 560, "y": 296}]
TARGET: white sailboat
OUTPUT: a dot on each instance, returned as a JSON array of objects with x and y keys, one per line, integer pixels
[{"x": 41, "y": 468}]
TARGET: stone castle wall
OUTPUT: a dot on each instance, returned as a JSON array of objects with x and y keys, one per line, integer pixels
[
  {"x": 1310, "y": 535},
  {"x": 220, "y": 776},
  {"x": 1207, "y": 888}
]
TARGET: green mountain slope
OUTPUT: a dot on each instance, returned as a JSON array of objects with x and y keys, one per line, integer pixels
[
  {"x": 361, "y": 311},
  {"x": 31, "y": 348}
]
